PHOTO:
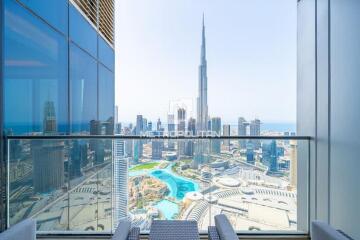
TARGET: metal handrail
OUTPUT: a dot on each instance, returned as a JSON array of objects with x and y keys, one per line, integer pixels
[{"x": 146, "y": 137}]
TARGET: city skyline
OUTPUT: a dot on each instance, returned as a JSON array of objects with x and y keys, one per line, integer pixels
[{"x": 234, "y": 60}]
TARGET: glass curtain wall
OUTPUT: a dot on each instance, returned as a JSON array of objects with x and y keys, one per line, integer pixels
[
  {"x": 58, "y": 79},
  {"x": 56, "y": 70}
]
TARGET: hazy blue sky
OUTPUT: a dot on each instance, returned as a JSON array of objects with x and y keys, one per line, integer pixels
[{"x": 251, "y": 54}]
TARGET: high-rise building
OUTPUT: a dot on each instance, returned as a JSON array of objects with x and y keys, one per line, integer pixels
[
  {"x": 128, "y": 143},
  {"x": 202, "y": 105},
  {"x": 120, "y": 184},
  {"x": 97, "y": 145},
  {"x": 149, "y": 126},
  {"x": 242, "y": 125},
  {"x": 116, "y": 115},
  {"x": 181, "y": 130},
  {"x": 48, "y": 156},
  {"x": 255, "y": 127},
  {"x": 49, "y": 124},
  {"x": 158, "y": 125},
  {"x": 255, "y": 131},
  {"x": 109, "y": 126},
  {"x": 265, "y": 150},
  {"x": 70, "y": 48},
  {"x": 226, "y": 132},
  {"x": 171, "y": 131},
  {"x": 202, "y": 146},
  {"x": 250, "y": 158},
  {"x": 48, "y": 164},
  {"x": 216, "y": 130},
  {"x": 118, "y": 128},
  {"x": 171, "y": 123},
  {"x": 209, "y": 124},
  {"x": 157, "y": 147},
  {"x": 293, "y": 163},
  {"x": 139, "y": 124},
  {"x": 191, "y": 129},
  {"x": 145, "y": 124},
  {"x": 138, "y": 144},
  {"x": 75, "y": 160},
  {"x": 273, "y": 165}
]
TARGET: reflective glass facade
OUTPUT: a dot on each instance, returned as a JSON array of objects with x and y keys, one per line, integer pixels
[
  {"x": 87, "y": 37},
  {"x": 53, "y": 12},
  {"x": 51, "y": 56},
  {"x": 83, "y": 89},
  {"x": 36, "y": 63},
  {"x": 55, "y": 71}
]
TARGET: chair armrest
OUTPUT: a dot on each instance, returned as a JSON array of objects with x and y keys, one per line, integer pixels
[
  {"x": 134, "y": 234},
  {"x": 213, "y": 234}
]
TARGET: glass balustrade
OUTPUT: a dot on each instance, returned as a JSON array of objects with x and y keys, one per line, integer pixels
[{"x": 85, "y": 184}]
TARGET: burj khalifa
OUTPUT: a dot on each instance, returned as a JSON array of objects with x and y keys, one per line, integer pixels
[
  {"x": 202, "y": 145},
  {"x": 202, "y": 106}
]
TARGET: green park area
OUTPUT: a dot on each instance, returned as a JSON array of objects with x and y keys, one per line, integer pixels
[{"x": 145, "y": 166}]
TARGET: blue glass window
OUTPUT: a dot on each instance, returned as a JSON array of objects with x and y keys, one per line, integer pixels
[
  {"x": 35, "y": 72},
  {"x": 54, "y": 12},
  {"x": 106, "y": 93},
  {"x": 106, "y": 54},
  {"x": 81, "y": 32},
  {"x": 83, "y": 89}
]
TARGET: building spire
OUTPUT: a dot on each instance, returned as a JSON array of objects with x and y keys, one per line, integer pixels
[
  {"x": 203, "y": 42},
  {"x": 202, "y": 107},
  {"x": 203, "y": 20}
]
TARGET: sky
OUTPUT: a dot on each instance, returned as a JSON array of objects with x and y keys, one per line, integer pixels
[{"x": 251, "y": 57}]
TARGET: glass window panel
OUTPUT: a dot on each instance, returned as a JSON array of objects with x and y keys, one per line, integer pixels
[
  {"x": 54, "y": 12},
  {"x": 35, "y": 74},
  {"x": 82, "y": 32},
  {"x": 83, "y": 89},
  {"x": 106, "y": 94},
  {"x": 38, "y": 183},
  {"x": 106, "y": 54}
]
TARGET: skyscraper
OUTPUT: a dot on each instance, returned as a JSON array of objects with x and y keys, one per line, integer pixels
[
  {"x": 216, "y": 129},
  {"x": 49, "y": 123},
  {"x": 149, "y": 126},
  {"x": 202, "y": 146},
  {"x": 171, "y": 130},
  {"x": 120, "y": 197},
  {"x": 75, "y": 160},
  {"x": 242, "y": 124},
  {"x": 226, "y": 132},
  {"x": 138, "y": 145},
  {"x": 191, "y": 130},
  {"x": 293, "y": 163},
  {"x": 48, "y": 156},
  {"x": 116, "y": 115},
  {"x": 128, "y": 143},
  {"x": 250, "y": 153},
  {"x": 255, "y": 131},
  {"x": 156, "y": 147},
  {"x": 97, "y": 145},
  {"x": 145, "y": 125},
  {"x": 202, "y": 106},
  {"x": 255, "y": 127},
  {"x": 181, "y": 130},
  {"x": 158, "y": 125},
  {"x": 118, "y": 128},
  {"x": 139, "y": 124},
  {"x": 273, "y": 167},
  {"x": 74, "y": 69}
]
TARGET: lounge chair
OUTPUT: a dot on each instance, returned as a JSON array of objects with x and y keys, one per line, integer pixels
[
  {"x": 124, "y": 231},
  {"x": 222, "y": 229}
]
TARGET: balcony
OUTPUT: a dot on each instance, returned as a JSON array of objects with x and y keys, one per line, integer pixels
[{"x": 86, "y": 184}]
